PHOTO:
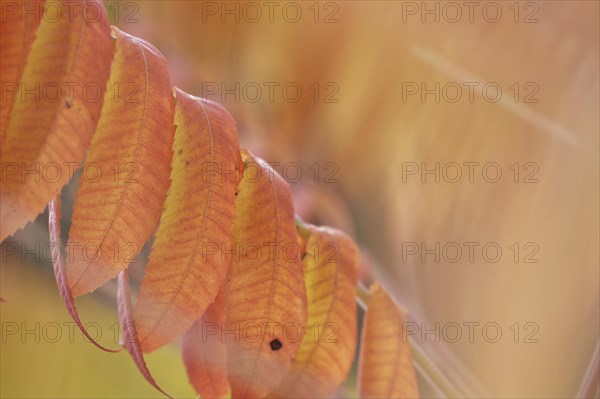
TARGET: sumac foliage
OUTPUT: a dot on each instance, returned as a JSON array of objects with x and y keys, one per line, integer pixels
[{"x": 228, "y": 252}]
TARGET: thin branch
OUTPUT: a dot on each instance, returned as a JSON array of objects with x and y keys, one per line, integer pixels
[{"x": 590, "y": 386}]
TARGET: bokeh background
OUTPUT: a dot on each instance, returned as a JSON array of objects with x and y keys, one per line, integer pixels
[{"x": 368, "y": 51}]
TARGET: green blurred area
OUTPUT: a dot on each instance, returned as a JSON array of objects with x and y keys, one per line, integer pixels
[{"x": 43, "y": 355}]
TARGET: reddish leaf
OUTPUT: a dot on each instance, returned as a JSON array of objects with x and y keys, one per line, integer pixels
[
  {"x": 117, "y": 209},
  {"x": 327, "y": 351},
  {"x": 266, "y": 302},
  {"x": 17, "y": 33},
  {"x": 129, "y": 329},
  {"x": 58, "y": 261},
  {"x": 385, "y": 367},
  {"x": 51, "y": 131},
  {"x": 187, "y": 263},
  {"x": 204, "y": 351}
]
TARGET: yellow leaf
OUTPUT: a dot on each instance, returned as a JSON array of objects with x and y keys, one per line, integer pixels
[
  {"x": 266, "y": 302},
  {"x": 204, "y": 351},
  {"x": 55, "y": 111},
  {"x": 187, "y": 266},
  {"x": 385, "y": 367},
  {"x": 325, "y": 356},
  {"x": 126, "y": 174}
]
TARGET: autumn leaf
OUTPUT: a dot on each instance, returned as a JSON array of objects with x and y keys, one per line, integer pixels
[
  {"x": 266, "y": 301},
  {"x": 129, "y": 329},
  {"x": 55, "y": 111},
  {"x": 126, "y": 174},
  {"x": 330, "y": 273},
  {"x": 16, "y": 37},
  {"x": 385, "y": 366},
  {"x": 204, "y": 351},
  {"x": 58, "y": 262},
  {"x": 187, "y": 263}
]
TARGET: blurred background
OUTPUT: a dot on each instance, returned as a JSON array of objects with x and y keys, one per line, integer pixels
[{"x": 361, "y": 98}]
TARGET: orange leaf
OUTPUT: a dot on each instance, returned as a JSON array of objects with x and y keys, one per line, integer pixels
[
  {"x": 385, "y": 367},
  {"x": 55, "y": 111},
  {"x": 266, "y": 302},
  {"x": 16, "y": 37},
  {"x": 120, "y": 200},
  {"x": 327, "y": 351},
  {"x": 58, "y": 262},
  {"x": 204, "y": 351},
  {"x": 187, "y": 267},
  {"x": 129, "y": 330}
]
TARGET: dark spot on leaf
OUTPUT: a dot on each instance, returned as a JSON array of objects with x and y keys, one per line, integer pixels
[{"x": 275, "y": 344}]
